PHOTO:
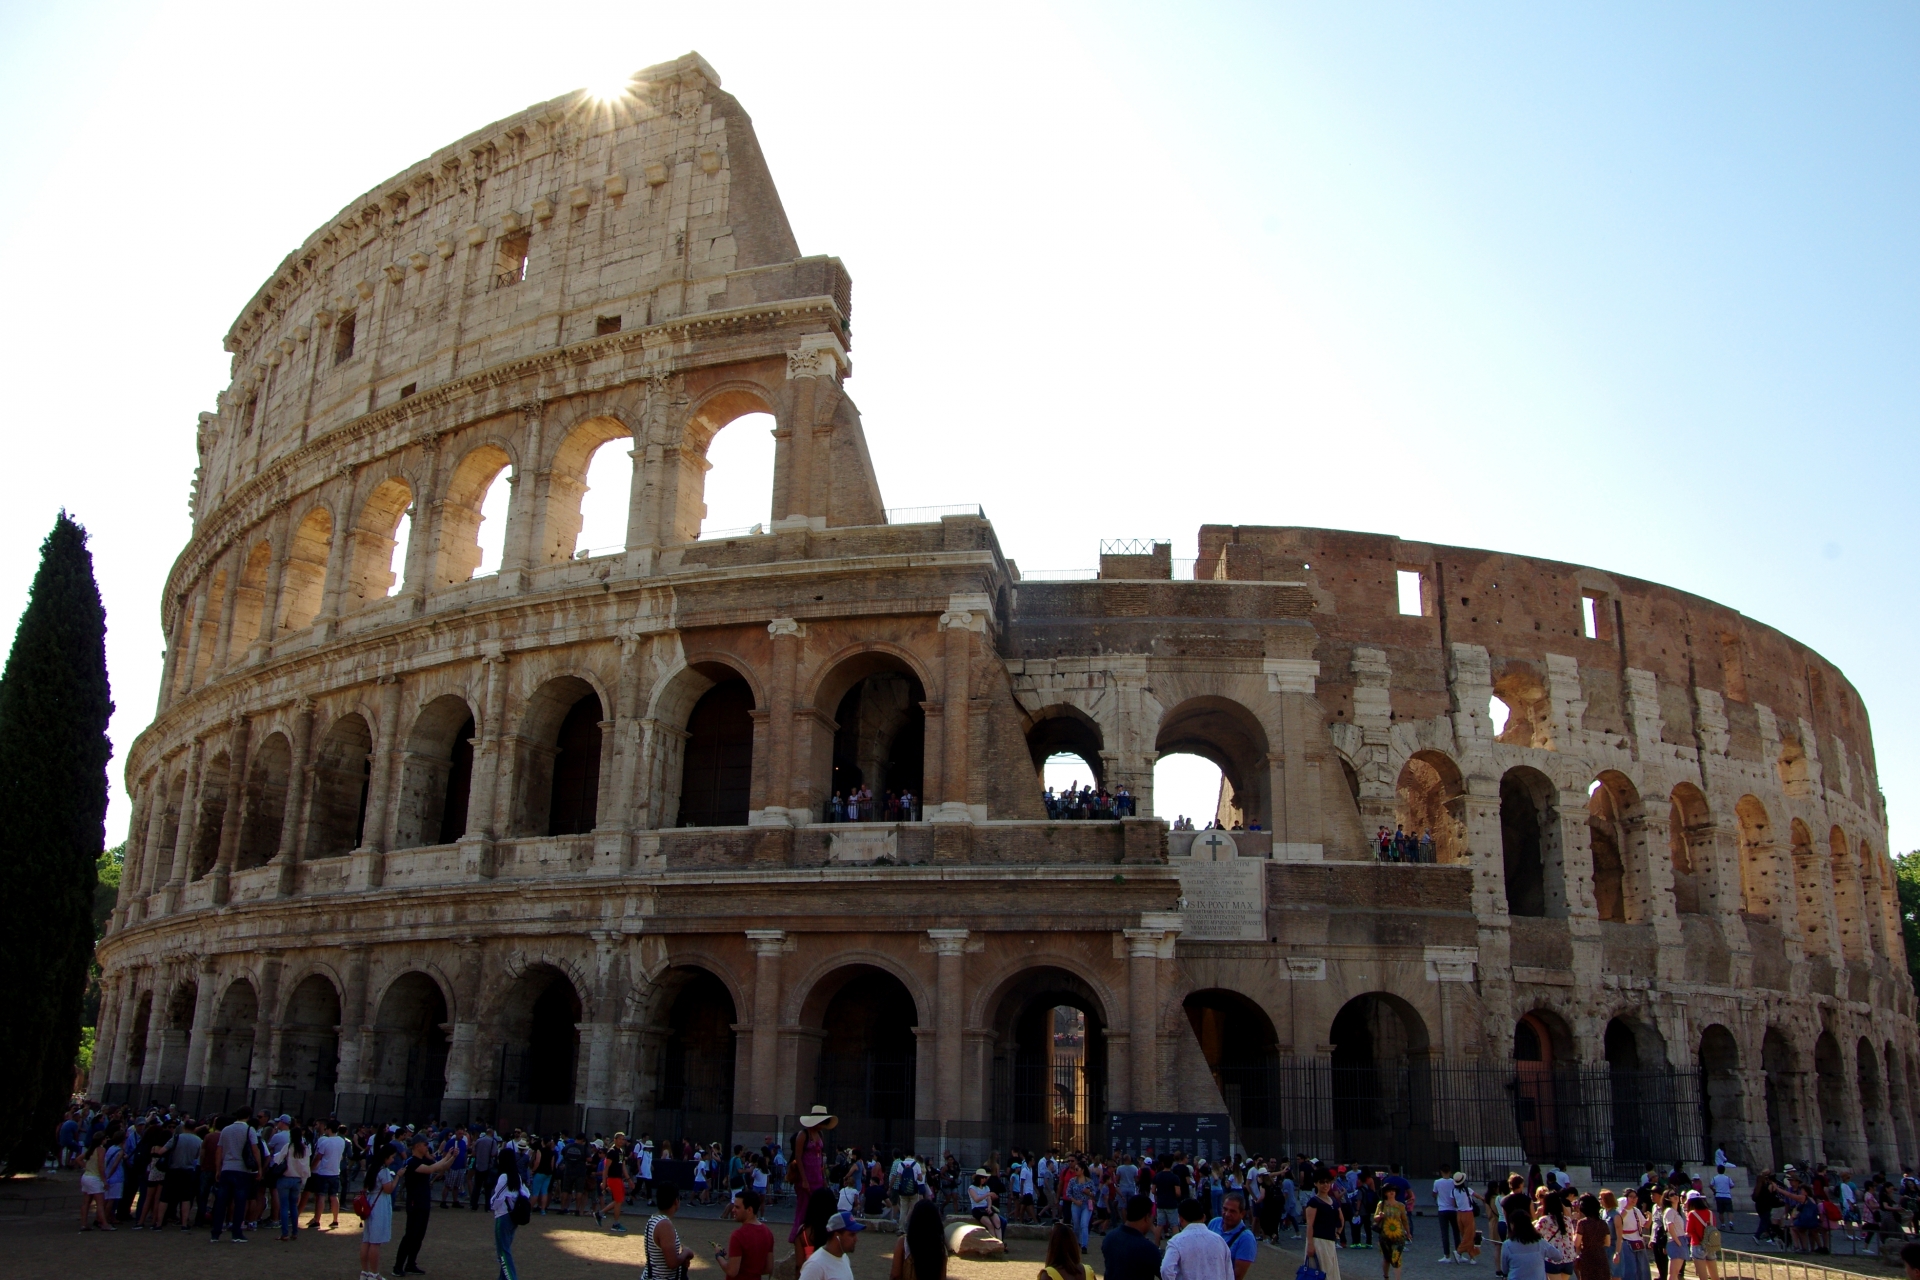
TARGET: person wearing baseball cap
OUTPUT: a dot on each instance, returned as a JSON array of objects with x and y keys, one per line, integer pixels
[{"x": 833, "y": 1262}]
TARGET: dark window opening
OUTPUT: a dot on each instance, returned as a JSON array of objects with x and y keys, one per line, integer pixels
[
  {"x": 510, "y": 264},
  {"x": 343, "y": 339},
  {"x": 453, "y": 815},
  {"x": 606, "y": 325},
  {"x": 576, "y": 770},
  {"x": 409, "y": 389},
  {"x": 719, "y": 758}
]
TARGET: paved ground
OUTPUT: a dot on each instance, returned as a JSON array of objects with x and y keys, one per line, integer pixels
[{"x": 47, "y": 1244}]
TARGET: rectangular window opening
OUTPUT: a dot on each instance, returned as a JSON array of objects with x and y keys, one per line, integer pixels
[
  {"x": 409, "y": 389},
  {"x": 510, "y": 267},
  {"x": 1410, "y": 594},
  {"x": 606, "y": 325},
  {"x": 343, "y": 339},
  {"x": 1590, "y": 617}
]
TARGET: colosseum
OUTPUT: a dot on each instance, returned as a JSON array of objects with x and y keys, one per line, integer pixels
[{"x": 549, "y": 840}]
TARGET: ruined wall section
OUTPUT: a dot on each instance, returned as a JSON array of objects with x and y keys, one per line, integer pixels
[{"x": 624, "y": 215}]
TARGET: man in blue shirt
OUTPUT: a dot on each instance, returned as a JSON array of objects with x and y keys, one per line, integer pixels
[
  {"x": 1130, "y": 1253},
  {"x": 1232, "y": 1227}
]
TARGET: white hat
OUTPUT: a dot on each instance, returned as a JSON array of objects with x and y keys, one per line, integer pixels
[{"x": 818, "y": 1118}]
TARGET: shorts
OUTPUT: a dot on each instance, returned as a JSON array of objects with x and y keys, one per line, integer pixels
[
  {"x": 617, "y": 1190},
  {"x": 1723, "y": 1206},
  {"x": 324, "y": 1184},
  {"x": 573, "y": 1184},
  {"x": 181, "y": 1185},
  {"x": 541, "y": 1182},
  {"x": 1500, "y": 1232}
]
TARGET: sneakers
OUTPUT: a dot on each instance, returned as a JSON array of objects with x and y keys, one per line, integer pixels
[
  {"x": 619, "y": 1227},
  {"x": 1446, "y": 1258}
]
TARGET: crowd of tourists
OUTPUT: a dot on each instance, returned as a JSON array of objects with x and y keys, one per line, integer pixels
[
  {"x": 1167, "y": 1217},
  {"x": 859, "y": 804},
  {"x": 1074, "y": 802},
  {"x": 1401, "y": 845}
]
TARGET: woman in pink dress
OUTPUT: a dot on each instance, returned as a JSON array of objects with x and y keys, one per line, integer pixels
[{"x": 807, "y": 1166}]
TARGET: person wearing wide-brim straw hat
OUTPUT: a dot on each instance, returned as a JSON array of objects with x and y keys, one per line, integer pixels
[{"x": 807, "y": 1165}]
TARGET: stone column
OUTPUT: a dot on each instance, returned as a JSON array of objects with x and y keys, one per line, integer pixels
[
  {"x": 121, "y": 1048},
  {"x": 516, "y": 552},
  {"x": 386, "y": 759},
  {"x": 199, "y": 1040},
  {"x": 299, "y": 775},
  {"x": 467, "y": 986},
  {"x": 156, "y": 1025},
  {"x": 950, "y": 950},
  {"x": 157, "y": 862},
  {"x": 423, "y": 544},
  {"x": 355, "y": 1020},
  {"x": 229, "y": 606},
  {"x": 476, "y": 846},
  {"x": 334, "y": 585},
  {"x": 966, "y": 614},
  {"x": 782, "y": 727},
  {"x": 266, "y": 1028},
  {"x": 170, "y": 663},
  {"x": 270, "y": 602},
  {"x": 238, "y": 729},
  {"x": 1149, "y": 951},
  {"x": 768, "y": 946},
  {"x": 183, "y": 832},
  {"x": 196, "y": 628}
]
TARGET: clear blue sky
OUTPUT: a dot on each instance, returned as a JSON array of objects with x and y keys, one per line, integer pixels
[{"x": 1631, "y": 286}]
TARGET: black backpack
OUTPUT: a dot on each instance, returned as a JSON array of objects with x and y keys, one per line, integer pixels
[{"x": 520, "y": 1211}]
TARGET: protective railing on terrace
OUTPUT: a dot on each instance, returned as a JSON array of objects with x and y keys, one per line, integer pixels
[{"x": 895, "y": 515}]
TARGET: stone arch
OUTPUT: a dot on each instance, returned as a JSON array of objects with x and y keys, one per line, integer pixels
[
  {"x": 371, "y": 542},
  {"x": 698, "y": 1057},
  {"x": 1809, "y": 877},
  {"x": 1379, "y": 1066},
  {"x": 990, "y": 994},
  {"x": 310, "y": 1035},
  {"x": 342, "y": 769},
  {"x": 1431, "y": 795},
  {"x": 1543, "y": 1044},
  {"x": 137, "y": 1037},
  {"x": 711, "y": 413},
  {"x": 558, "y": 754},
  {"x": 537, "y": 1026},
  {"x": 303, "y": 578},
  {"x": 1758, "y": 891},
  {"x": 873, "y": 695},
  {"x": 864, "y": 1065},
  {"x": 1232, "y": 737},
  {"x": 1048, "y": 1083},
  {"x": 717, "y": 755},
  {"x": 566, "y": 483},
  {"x": 230, "y": 1046},
  {"x": 213, "y": 815},
  {"x": 1873, "y": 1107},
  {"x": 249, "y": 602},
  {"x": 175, "y": 810},
  {"x": 1849, "y": 896},
  {"x": 1645, "y": 1119},
  {"x": 1242, "y": 1050},
  {"x": 1722, "y": 1099},
  {"x": 412, "y": 1031},
  {"x": 1779, "y": 1062},
  {"x": 457, "y": 556},
  {"x": 1614, "y": 830},
  {"x": 436, "y": 774},
  {"x": 269, "y": 773},
  {"x": 1899, "y": 1103},
  {"x": 1064, "y": 729},
  {"x": 1689, "y": 845},
  {"x": 1831, "y": 1097},
  {"x": 1530, "y": 843},
  {"x": 1875, "y": 891}
]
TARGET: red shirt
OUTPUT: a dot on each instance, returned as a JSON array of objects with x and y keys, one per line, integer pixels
[{"x": 753, "y": 1245}]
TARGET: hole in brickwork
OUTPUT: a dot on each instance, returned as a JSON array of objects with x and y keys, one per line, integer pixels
[
  {"x": 606, "y": 325},
  {"x": 402, "y": 536},
  {"x": 1409, "y": 584},
  {"x": 1589, "y": 617},
  {"x": 343, "y": 340},
  {"x": 1497, "y": 715},
  {"x": 510, "y": 261}
]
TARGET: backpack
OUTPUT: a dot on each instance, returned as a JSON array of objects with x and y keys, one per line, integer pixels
[
  {"x": 520, "y": 1211},
  {"x": 907, "y": 1181}
]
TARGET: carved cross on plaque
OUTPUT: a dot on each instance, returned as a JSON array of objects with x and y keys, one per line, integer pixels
[{"x": 1218, "y": 846}]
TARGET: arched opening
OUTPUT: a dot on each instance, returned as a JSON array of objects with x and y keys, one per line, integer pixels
[
  {"x": 1541, "y": 1043},
  {"x": 539, "y": 1045},
  {"x": 694, "y": 1094},
  {"x": 1849, "y": 896},
  {"x": 249, "y": 602},
  {"x": 1529, "y": 841},
  {"x": 436, "y": 775},
  {"x": 1049, "y": 1063},
  {"x": 341, "y": 770},
  {"x": 1688, "y": 837},
  {"x": 303, "y": 579},
  {"x": 213, "y": 815},
  {"x": 1875, "y": 893},
  {"x": 266, "y": 803},
  {"x": 1430, "y": 799},
  {"x": 171, "y": 1069},
  {"x": 1064, "y": 744},
  {"x": 1231, "y": 738},
  {"x": 1382, "y": 1109},
  {"x": 1756, "y": 859},
  {"x": 1777, "y": 1061},
  {"x": 716, "y": 782},
  {"x": 588, "y": 491},
  {"x": 879, "y": 739},
  {"x": 559, "y": 756},
  {"x": 473, "y": 516},
  {"x": 1612, "y": 802},
  {"x": 137, "y": 1037},
  {"x": 376, "y": 548},
  {"x": 1873, "y": 1105},
  {"x": 1721, "y": 1106},
  {"x": 1243, "y": 1051},
  {"x": 176, "y": 805},
  {"x": 1519, "y": 693},
  {"x": 866, "y": 1071},
  {"x": 230, "y": 1039},
  {"x": 310, "y": 1038},
  {"x": 411, "y": 1036},
  {"x": 1809, "y": 872},
  {"x": 1830, "y": 1092},
  {"x": 737, "y": 490},
  {"x": 1188, "y": 792},
  {"x": 1642, "y": 1093}
]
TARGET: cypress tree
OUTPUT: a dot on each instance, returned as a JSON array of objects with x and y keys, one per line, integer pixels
[{"x": 54, "y": 704}]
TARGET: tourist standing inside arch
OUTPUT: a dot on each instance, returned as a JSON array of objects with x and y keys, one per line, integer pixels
[{"x": 807, "y": 1167}]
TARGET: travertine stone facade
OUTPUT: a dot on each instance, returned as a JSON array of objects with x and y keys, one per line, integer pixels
[{"x": 382, "y": 819}]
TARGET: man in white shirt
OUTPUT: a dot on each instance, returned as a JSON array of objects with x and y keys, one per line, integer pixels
[
  {"x": 1043, "y": 1182},
  {"x": 239, "y": 1158},
  {"x": 328, "y": 1150},
  {"x": 1195, "y": 1253},
  {"x": 903, "y": 1182},
  {"x": 1444, "y": 1208},
  {"x": 1722, "y": 1194},
  {"x": 832, "y": 1262}
]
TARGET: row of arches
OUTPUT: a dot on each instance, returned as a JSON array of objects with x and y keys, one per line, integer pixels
[{"x": 345, "y": 553}]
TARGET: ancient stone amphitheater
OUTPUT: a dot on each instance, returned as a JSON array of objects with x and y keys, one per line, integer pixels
[{"x": 544, "y": 840}]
